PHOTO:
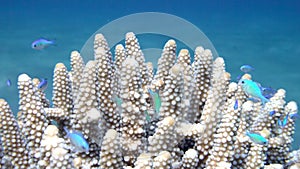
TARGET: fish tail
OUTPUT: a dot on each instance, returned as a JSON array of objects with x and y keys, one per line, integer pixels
[
  {"x": 247, "y": 133},
  {"x": 53, "y": 42},
  {"x": 66, "y": 130}
]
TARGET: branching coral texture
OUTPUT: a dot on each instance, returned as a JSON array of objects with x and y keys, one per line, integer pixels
[{"x": 201, "y": 122}]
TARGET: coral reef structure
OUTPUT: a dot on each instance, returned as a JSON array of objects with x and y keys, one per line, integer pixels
[{"x": 187, "y": 115}]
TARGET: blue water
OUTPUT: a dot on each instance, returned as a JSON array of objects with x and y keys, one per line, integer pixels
[{"x": 264, "y": 34}]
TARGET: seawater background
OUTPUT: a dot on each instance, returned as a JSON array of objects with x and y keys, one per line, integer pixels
[{"x": 264, "y": 34}]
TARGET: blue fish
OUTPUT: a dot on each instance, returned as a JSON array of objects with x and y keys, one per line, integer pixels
[
  {"x": 42, "y": 43},
  {"x": 236, "y": 104},
  {"x": 294, "y": 116},
  {"x": 238, "y": 78},
  {"x": 284, "y": 122},
  {"x": 43, "y": 84},
  {"x": 156, "y": 100},
  {"x": 246, "y": 68},
  {"x": 257, "y": 138},
  {"x": 77, "y": 140},
  {"x": 8, "y": 83},
  {"x": 268, "y": 92},
  {"x": 252, "y": 89},
  {"x": 154, "y": 71},
  {"x": 148, "y": 117},
  {"x": 117, "y": 100},
  {"x": 254, "y": 100},
  {"x": 272, "y": 113}
]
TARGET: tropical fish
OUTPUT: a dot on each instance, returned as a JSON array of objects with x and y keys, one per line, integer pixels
[
  {"x": 43, "y": 84},
  {"x": 294, "y": 116},
  {"x": 268, "y": 92},
  {"x": 148, "y": 117},
  {"x": 246, "y": 68},
  {"x": 41, "y": 43},
  {"x": 252, "y": 89},
  {"x": 290, "y": 163},
  {"x": 284, "y": 122},
  {"x": 272, "y": 112},
  {"x": 154, "y": 71},
  {"x": 257, "y": 138},
  {"x": 238, "y": 78},
  {"x": 77, "y": 140},
  {"x": 156, "y": 100},
  {"x": 236, "y": 104},
  {"x": 8, "y": 83},
  {"x": 254, "y": 100},
  {"x": 117, "y": 100}
]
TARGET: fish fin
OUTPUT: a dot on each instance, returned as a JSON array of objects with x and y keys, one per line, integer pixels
[
  {"x": 53, "y": 42},
  {"x": 264, "y": 100},
  {"x": 150, "y": 92},
  {"x": 259, "y": 86},
  {"x": 254, "y": 100},
  {"x": 148, "y": 117},
  {"x": 78, "y": 133},
  {"x": 66, "y": 130},
  {"x": 279, "y": 122}
]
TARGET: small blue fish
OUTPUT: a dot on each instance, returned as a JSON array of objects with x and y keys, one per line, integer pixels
[
  {"x": 117, "y": 100},
  {"x": 252, "y": 89},
  {"x": 236, "y": 104},
  {"x": 154, "y": 71},
  {"x": 77, "y": 140},
  {"x": 294, "y": 116},
  {"x": 148, "y": 117},
  {"x": 268, "y": 92},
  {"x": 279, "y": 122},
  {"x": 257, "y": 138},
  {"x": 238, "y": 78},
  {"x": 8, "y": 83},
  {"x": 246, "y": 68},
  {"x": 272, "y": 112},
  {"x": 284, "y": 122},
  {"x": 41, "y": 43},
  {"x": 156, "y": 100},
  {"x": 43, "y": 84}
]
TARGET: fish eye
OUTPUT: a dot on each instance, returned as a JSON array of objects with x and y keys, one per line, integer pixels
[
  {"x": 34, "y": 45},
  {"x": 243, "y": 82}
]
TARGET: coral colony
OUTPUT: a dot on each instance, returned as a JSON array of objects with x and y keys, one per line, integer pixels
[{"x": 188, "y": 116}]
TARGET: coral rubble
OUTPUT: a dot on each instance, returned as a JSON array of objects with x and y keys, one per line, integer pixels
[{"x": 200, "y": 123}]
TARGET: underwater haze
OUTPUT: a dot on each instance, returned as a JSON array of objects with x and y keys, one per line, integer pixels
[{"x": 263, "y": 34}]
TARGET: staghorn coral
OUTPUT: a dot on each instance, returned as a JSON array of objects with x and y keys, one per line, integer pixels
[
  {"x": 107, "y": 101},
  {"x": 190, "y": 159},
  {"x": 75, "y": 74},
  {"x": 133, "y": 107},
  {"x": 202, "y": 69},
  {"x": 172, "y": 94},
  {"x": 62, "y": 95},
  {"x": 33, "y": 117},
  {"x": 133, "y": 49},
  {"x": 13, "y": 144},
  {"x": 104, "y": 89},
  {"x": 52, "y": 152},
  {"x": 164, "y": 137},
  {"x": 165, "y": 63},
  {"x": 211, "y": 114},
  {"x": 111, "y": 154}
]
